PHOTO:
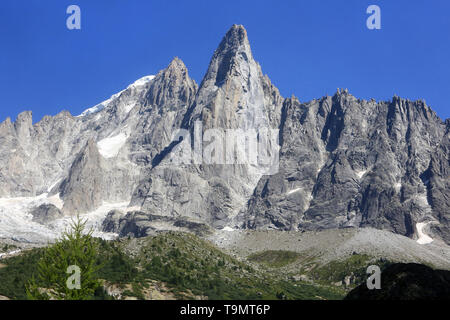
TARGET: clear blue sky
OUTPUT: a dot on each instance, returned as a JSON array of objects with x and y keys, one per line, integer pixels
[{"x": 308, "y": 48}]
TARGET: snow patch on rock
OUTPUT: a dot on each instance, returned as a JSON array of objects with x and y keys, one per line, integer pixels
[
  {"x": 361, "y": 173},
  {"x": 110, "y": 147},
  {"x": 294, "y": 191},
  {"x": 56, "y": 201},
  {"x": 53, "y": 185},
  {"x": 99, "y": 107},
  {"x": 423, "y": 238},
  {"x": 142, "y": 81}
]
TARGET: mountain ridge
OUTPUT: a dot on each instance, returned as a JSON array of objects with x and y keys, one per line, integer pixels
[{"x": 343, "y": 162}]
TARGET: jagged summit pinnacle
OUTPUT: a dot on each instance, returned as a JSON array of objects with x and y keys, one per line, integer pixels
[
  {"x": 232, "y": 54},
  {"x": 234, "y": 41},
  {"x": 177, "y": 63},
  {"x": 172, "y": 84},
  {"x": 175, "y": 69},
  {"x": 237, "y": 35}
]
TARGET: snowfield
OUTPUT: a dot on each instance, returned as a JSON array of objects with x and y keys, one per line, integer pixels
[
  {"x": 110, "y": 147},
  {"x": 15, "y": 213},
  {"x": 16, "y": 220}
]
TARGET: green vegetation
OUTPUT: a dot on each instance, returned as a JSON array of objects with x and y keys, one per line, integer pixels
[
  {"x": 342, "y": 275},
  {"x": 113, "y": 265},
  {"x": 354, "y": 266},
  {"x": 275, "y": 259},
  {"x": 182, "y": 264},
  {"x": 17, "y": 273},
  {"x": 117, "y": 267},
  {"x": 7, "y": 247},
  {"x": 67, "y": 269},
  {"x": 187, "y": 263}
]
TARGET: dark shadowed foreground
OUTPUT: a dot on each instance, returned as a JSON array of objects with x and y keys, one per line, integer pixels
[{"x": 407, "y": 282}]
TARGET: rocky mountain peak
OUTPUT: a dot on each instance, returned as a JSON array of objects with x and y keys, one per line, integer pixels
[
  {"x": 6, "y": 124},
  {"x": 231, "y": 58},
  {"x": 235, "y": 38},
  {"x": 177, "y": 64},
  {"x": 24, "y": 120},
  {"x": 172, "y": 87},
  {"x": 23, "y": 125},
  {"x": 234, "y": 93},
  {"x": 25, "y": 116}
]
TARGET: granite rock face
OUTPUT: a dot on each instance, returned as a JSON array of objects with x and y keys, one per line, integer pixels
[
  {"x": 82, "y": 190},
  {"x": 342, "y": 161},
  {"x": 352, "y": 163},
  {"x": 161, "y": 113},
  {"x": 437, "y": 179},
  {"x": 138, "y": 224},
  {"x": 46, "y": 213}
]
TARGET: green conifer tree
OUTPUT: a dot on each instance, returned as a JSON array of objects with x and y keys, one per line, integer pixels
[{"x": 56, "y": 271}]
